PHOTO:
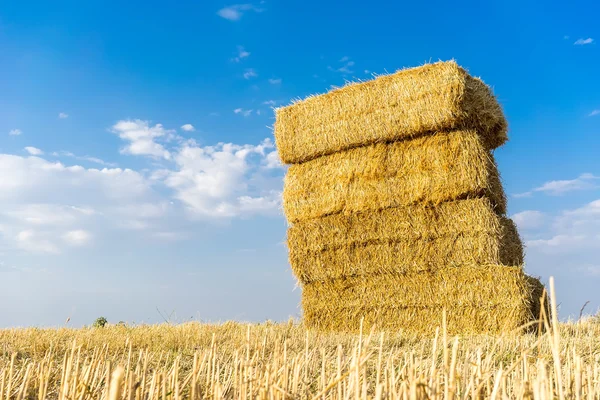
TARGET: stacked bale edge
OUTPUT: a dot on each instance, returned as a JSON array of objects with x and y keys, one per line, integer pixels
[
  {"x": 397, "y": 206},
  {"x": 427, "y": 170},
  {"x": 477, "y": 299},
  {"x": 406, "y": 257},
  {"x": 410, "y": 103}
]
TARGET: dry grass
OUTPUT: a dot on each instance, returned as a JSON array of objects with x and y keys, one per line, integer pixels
[
  {"x": 284, "y": 361},
  {"x": 427, "y": 170},
  {"x": 410, "y": 103}
]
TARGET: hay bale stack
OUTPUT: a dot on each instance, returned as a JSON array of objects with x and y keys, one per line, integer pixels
[{"x": 397, "y": 207}]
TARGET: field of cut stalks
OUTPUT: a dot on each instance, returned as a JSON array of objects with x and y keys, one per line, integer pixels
[{"x": 285, "y": 361}]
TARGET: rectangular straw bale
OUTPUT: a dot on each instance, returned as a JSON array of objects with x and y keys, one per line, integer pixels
[
  {"x": 409, "y": 103},
  {"x": 479, "y": 299},
  {"x": 492, "y": 320},
  {"x": 459, "y": 217},
  {"x": 473, "y": 286},
  {"x": 427, "y": 170},
  {"x": 407, "y": 256}
]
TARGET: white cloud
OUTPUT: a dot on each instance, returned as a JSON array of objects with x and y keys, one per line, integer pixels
[
  {"x": 241, "y": 54},
  {"x": 529, "y": 219},
  {"x": 275, "y": 81},
  {"x": 35, "y": 180},
  {"x": 271, "y": 103},
  {"x": 48, "y": 206},
  {"x": 594, "y": 113},
  {"x": 169, "y": 236},
  {"x": 236, "y": 11},
  {"x": 30, "y": 240},
  {"x": 581, "y": 42},
  {"x": 584, "y": 181},
  {"x": 34, "y": 151},
  {"x": 47, "y": 214},
  {"x": 220, "y": 181},
  {"x": 558, "y": 242},
  {"x": 63, "y": 115},
  {"x": 142, "y": 138},
  {"x": 41, "y": 201},
  {"x": 77, "y": 237},
  {"x": 91, "y": 159},
  {"x": 241, "y": 111},
  {"x": 188, "y": 128},
  {"x": 250, "y": 73},
  {"x": 570, "y": 231},
  {"x": 345, "y": 68},
  {"x": 15, "y": 132},
  {"x": 272, "y": 160}
]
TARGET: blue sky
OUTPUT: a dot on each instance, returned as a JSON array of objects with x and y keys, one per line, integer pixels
[{"x": 137, "y": 166}]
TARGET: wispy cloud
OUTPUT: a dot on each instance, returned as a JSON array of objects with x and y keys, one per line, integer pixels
[
  {"x": 581, "y": 42},
  {"x": 30, "y": 240},
  {"x": 271, "y": 103},
  {"x": 275, "y": 81},
  {"x": 529, "y": 219},
  {"x": 241, "y": 111},
  {"x": 585, "y": 181},
  {"x": 77, "y": 237},
  {"x": 142, "y": 138},
  {"x": 188, "y": 128},
  {"x": 94, "y": 160},
  {"x": 241, "y": 54},
  {"x": 250, "y": 73},
  {"x": 15, "y": 132},
  {"x": 594, "y": 113},
  {"x": 345, "y": 68},
  {"x": 34, "y": 151},
  {"x": 236, "y": 11},
  {"x": 63, "y": 115}
]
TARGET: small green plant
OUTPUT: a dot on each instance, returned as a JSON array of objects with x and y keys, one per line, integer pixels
[{"x": 100, "y": 322}]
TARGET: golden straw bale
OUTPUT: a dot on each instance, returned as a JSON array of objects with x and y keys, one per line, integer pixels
[
  {"x": 409, "y": 103},
  {"x": 407, "y": 256},
  {"x": 428, "y": 170},
  {"x": 459, "y": 217},
  {"x": 492, "y": 320},
  {"x": 479, "y": 299}
]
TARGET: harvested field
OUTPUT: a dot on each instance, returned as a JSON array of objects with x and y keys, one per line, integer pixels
[
  {"x": 407, "y": 104},
  {"x": 427, "y": 170}
]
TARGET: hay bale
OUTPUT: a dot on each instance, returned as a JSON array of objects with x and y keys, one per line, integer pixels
[
  {"x": 490, "y": 320},
  {"x": 407, "y": 104},
  {"x": 479, "y": 299},
  {"x": 459, "y": 217},
  {"x": 428, "y": 170},
  {"x": 407, "y": 256}
]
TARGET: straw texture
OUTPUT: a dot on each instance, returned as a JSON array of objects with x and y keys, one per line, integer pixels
[
  {"x": 407, "y": 256},
  {"x": 427, "y": 170},
  {"x": 407, "y": 104},
  {"x": 479, "y": 299},
  {"x": 452, "y": 218}
]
